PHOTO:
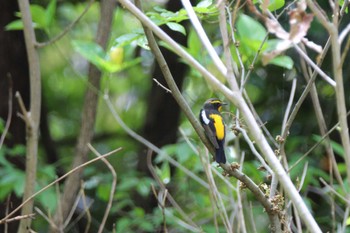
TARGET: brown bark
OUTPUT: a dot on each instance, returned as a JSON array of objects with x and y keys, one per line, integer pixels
[{"x": 72, "y": 183}]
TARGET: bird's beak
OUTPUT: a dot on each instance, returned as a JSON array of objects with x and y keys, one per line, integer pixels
[{"x": 223, "y": 103}]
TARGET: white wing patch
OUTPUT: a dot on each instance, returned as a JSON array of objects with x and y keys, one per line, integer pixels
[{"x": 205, "y": 118}]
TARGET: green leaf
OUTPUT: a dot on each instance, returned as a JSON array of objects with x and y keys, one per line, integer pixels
[
  {"x": 48, "y": 199},
  {"x": 143, "y": 43},
  {"x": 138, "y": 212},
  {"x": 126, "y": 39},
  {"x": 50, "y": 13},
  {"x": 97, "y": 56},
  {"x": 164, "y": 173},
  {"x": 283, "y": 61},
  {"x": 144, "y": 187},
  {"x": 275, "y": 4},
  {"x": 91, "y": 51},
  {"x": 123, "y": 224},
  {"x": 14, "y": 25},
  {"x": 176, "y": 27},
  {"x": 194, "y": 45},
  {"x": 38, "y": 15},
  {"x": 18, "y": 149},
  {"x": 348, "y": 221},
  {"x": 19, "y": 181},
  {"x": 249, "y": 28},
  {"x": 147, "y": 226},
  {"x": 272, "y": 44},
  {"x": 103, "y": 191}
]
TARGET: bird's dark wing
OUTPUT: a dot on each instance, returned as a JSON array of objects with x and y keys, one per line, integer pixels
[{"x": 211, "y": 135}]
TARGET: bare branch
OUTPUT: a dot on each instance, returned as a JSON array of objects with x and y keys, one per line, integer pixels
[
  {"x": 204, "y": 38},
  {"x": 162, "y": 86},
  {"x": 57, "y": 180},
  {"x": 112, "y": 191},
  {"x": 67, "y": 29},
  {"x": 9, "y": 114},
  {"x": 32, "y": 124}
]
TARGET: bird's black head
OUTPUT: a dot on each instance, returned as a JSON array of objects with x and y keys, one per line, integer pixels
[{"x": 213, "y": 103}]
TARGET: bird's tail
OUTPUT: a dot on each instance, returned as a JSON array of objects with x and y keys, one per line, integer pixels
[{"x": 220, "y": 156}]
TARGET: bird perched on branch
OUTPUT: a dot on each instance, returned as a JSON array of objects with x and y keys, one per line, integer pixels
[{"x": 214, "y": 126}]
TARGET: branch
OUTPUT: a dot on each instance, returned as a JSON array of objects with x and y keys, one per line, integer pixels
[
  {"x": 2, "y": 221},
  {"x": 112, "y": 191},
  {"x": 67, "y": 29},
  {"x": 174, "y": 89},
  {"x": 313, "y": 65},
  {"x": 231, "y": 66},
  {"x": 32, "y": 125},
  {"x": 9, "y": 114},
  {"x": 204, "y": 38},
  {"x": 168, "y": 196}
]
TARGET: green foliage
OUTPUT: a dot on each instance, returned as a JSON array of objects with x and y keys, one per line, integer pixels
[
  {"x": 253, "y": 38},
  {"x": 204, "y": 10},
  {"x": 97, "y": 56},
  {"x": 138, "y": 220},
  {"x": 11, "y": 178},
  {"x": 273, "y": 5},
  {"x": 127, "y": 64},
  {"x": 42, "y": 18}
]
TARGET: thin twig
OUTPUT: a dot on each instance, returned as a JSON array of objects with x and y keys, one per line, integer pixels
[
  {"x": 162, "y": 86},
  {"x": 304, "y": 94},
  {"x": 32, "y": 216},
  {"x": 24, "y": 111},
  {"x": 204, "y": 38},
  {"x": 335, "y": 192},
  {"x": 344, "y": 33},
  {"x": 345, "y": 219},
  {"x": 82, "y": 213},
  {"x": 42, "y": 214},
  {"x": 169, "y": 196},
  {"x": 240, "y": 199},
  {"x": 113, "y": 186},
  {"x": 216, "y": 195},
  {"x": 87, "y": 210},
  {"x": 71, "y": 212},
  {"x": 57, "y": 180},
  {"x": 161, "y": 197},
  {"x": 230, "y": 65},
  {"x": 315, "y": 66},
  {"x": 9, "y": 114},
  {"x": 67, "y": 29},
  {"x": 290, "y": 102},
  {"x": 254, "y": 151},
  {"x": 345, "y": 51}
]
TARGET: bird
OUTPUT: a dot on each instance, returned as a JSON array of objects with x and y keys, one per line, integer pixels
[{"x": 214, "y": 126}]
